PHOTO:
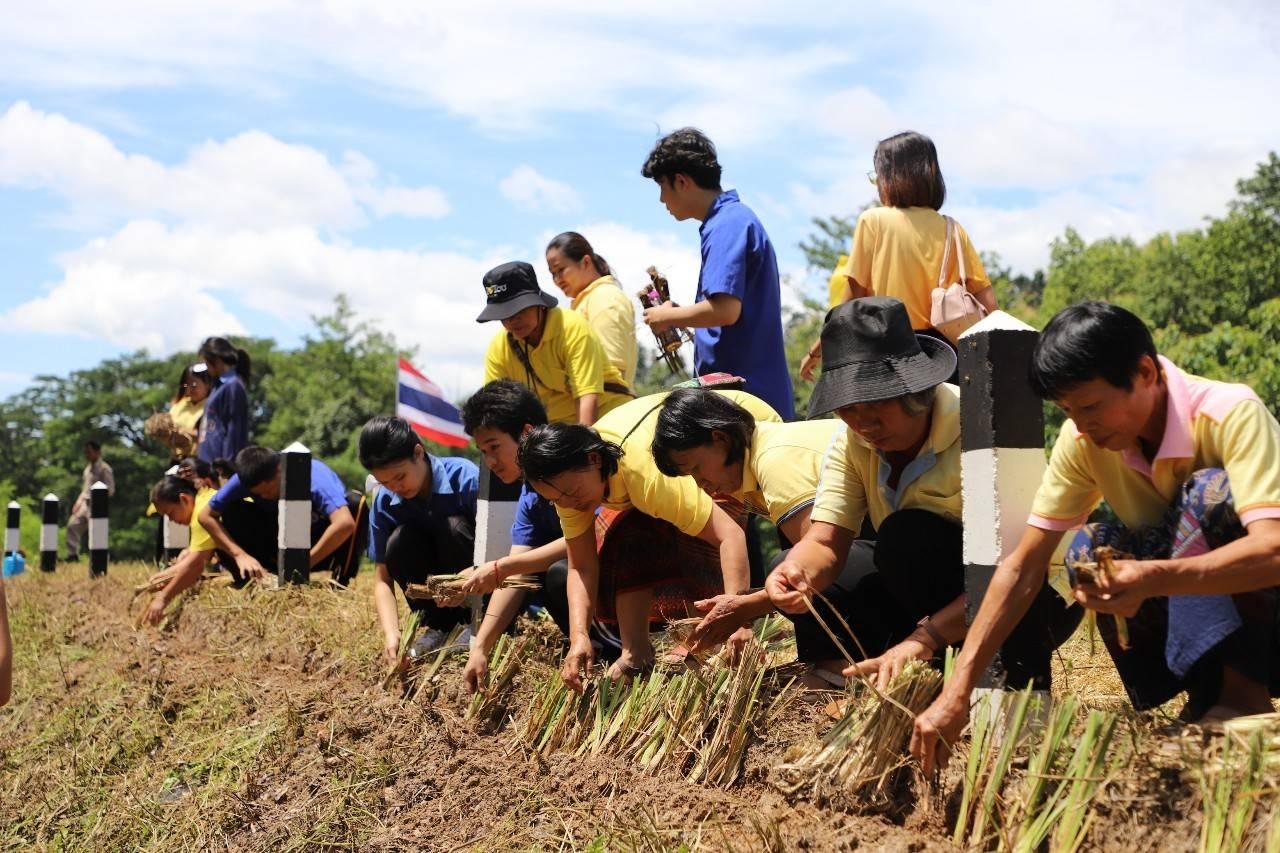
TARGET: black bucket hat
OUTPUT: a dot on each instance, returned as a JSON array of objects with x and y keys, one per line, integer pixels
[
  {"x": 869, "y": 353},
  {"x": 509, "y": 289}
]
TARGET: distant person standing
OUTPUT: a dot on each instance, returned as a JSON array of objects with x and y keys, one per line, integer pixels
[
  {"x": 737, "y": 316},
  {"x": 97, "y": 470},
  {"x": 224, "y": 430}
]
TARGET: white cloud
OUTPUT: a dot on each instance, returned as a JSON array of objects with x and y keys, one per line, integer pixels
[
  {"x": 528, "y": 188},
  {"x": 249, "y": 180}
]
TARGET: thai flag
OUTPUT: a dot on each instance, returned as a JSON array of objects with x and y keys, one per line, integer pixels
[{"x": 421, "y": 402}]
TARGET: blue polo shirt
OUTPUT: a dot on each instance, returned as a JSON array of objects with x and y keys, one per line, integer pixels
[
  {"x": 537, "y": 522},
  {"x": 738, "y": 259},
  {"x": 327, "y": 492},
  {"x": 455, "y": 490}
]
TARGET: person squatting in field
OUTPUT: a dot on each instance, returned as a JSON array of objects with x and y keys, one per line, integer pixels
[
  {"x": 497, "y": 417},
  {"x": 641, "y": 545},
  {"x": 243, "y": 519},
  {"x": 422, "y": 523},
  {"x": 1191, "y": 469},
  {"x": 899, "y": 584}
]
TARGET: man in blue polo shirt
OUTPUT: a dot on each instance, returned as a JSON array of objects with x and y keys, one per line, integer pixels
[
  {"x": 243, "y": 518},
  {"x": 737, "y": 317},
  {"x": 422, "y": 523}
]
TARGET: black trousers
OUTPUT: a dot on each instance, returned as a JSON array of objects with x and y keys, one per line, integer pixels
[
  {"x": 444, "y": 547},
  {"x": 255, "y": 527},
  {"x": 913, "y": 569}
]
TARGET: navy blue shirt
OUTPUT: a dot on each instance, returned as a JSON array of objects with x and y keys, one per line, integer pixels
[
  {"x": 738, "y": 259},
  {"x": 455, "y": 490},
  {"x": 537, "y": 522},
  {"x": 226, "y": 420},
  {"x": 327, "y": 494}
]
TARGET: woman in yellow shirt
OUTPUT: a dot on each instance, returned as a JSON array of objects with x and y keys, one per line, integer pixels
[
  {"x": 897, "y": 465},
  {"x": 771, "y": 468},
  {"x": 898, "y": 247},
  {"x": 656, "y": 545},
  {"x": 586, "y": 279},
  {"x": 553, "y": 352},
  {"x": 187, "y": 406}
]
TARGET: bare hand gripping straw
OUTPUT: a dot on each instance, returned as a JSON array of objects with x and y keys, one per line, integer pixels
[{"x": 656, "y": 293}]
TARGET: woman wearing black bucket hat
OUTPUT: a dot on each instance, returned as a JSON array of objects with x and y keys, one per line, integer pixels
[
  {"x": 553, "y": 352},
  {"x": 898, "y": 467}
]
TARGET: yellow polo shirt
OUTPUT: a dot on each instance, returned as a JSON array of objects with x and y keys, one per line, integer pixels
[
  {"x": 837, "y": 283},
  {"x": 568, "y": 362},
  {"x": 638, "y": 482},
  {"x": 783, "y": 465},
  {"x": 612, "y": 317},
  {"x": 200, "y": 538},
  {"x": 1207, "y": 425},
  {"x": 854, "y": 476},
  {"x": 897, "y": 251}
]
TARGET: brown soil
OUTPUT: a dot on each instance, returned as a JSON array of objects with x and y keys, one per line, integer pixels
[{"x": 257, "y": 721}]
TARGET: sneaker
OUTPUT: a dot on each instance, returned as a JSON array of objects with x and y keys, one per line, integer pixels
[{"x": 428, "y": 641}]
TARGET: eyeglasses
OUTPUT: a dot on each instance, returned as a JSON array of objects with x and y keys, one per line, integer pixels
[{"x": 871, "y": 176}]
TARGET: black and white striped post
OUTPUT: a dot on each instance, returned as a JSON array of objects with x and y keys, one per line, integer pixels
[
  {"x": 1002, "y": 452},
  {"x": 49, "y": 511},
  {"x": 495, "y": 512},
  {"x": 294, "y": 563},
  {"x": 99, "y": 503},
  {"x": 12, "y": 524}
]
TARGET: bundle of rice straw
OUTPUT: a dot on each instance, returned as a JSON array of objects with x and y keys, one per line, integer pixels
[
  {"x": 504, "y": 662},
  {"x": 862, "y": 754},
  {"x": 1103, "y": 567},
  {"x": 450, "y": 586}
]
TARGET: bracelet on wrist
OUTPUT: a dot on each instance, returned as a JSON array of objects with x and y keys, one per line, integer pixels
[{"x": 937, "y": 640}]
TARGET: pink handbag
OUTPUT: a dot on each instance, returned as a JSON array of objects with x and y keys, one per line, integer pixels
[{"x": 955, "y": 309}]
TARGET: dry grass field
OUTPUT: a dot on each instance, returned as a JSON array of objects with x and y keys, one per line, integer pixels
[{"x": 260, "y": 721}]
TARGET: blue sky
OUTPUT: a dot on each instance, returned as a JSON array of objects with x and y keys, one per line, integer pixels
[{"x": 171, "y": 170}]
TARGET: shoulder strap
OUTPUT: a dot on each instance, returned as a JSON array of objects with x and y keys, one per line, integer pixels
[
  {"x": 955, "y": 236},
  {"x": 531, "y": 376},
  {"x": 636, "y": 425},
  {"x": 946, "y": 252}
]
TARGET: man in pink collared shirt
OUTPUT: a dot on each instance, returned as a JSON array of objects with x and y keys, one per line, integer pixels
[{"x": 1191, "y": 470}]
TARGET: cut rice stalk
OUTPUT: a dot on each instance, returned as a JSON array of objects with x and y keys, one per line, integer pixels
[
  {"x": 448, "y": 586},
  {"x": 487, "y": 705},
  {"x": 1104, "y": 567}
]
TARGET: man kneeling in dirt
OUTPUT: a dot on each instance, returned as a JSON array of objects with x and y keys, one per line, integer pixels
[
  {"x": 1191, "y": 468},
  {"x": 243, "y": 519},
  {"x": 422, "y": 523}
]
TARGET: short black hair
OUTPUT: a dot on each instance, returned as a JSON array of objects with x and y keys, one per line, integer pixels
[
  {"x": 1091, "y": 340},
  {"x": 503, "y": 405},
  {"x": 552, "y": 449},
  {"x": 197, "y": 467},
  {"x": 907, "y": 168},
  {"x": 689, "y": 417},
  {"x": 256, "y": 465},
  {"x": 170, "y": 489},
  {"x": 93, "y": 444},
  {"x": 223, "y": 468},
  {"x": 686, "y": 151},
  {"x": 385, "y": 440}
]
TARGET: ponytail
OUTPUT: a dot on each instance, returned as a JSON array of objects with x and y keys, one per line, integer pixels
[
  {"x": 575, "y": 247},
  {"x": 243, "y": 365},
  {"x": 551, "y": 449},
  {"x": 232, "y": 356}
]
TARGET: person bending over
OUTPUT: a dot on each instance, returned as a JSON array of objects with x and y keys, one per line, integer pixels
[
  {"x": 497, "y": 417},
  {"x": 1191, "y": 469},
  {"x": 243, "y": 518},
  {"x": 181, "y": 500},
  {"x": 898, "y": 464},
  {"x": 770, "y": 468},
  {"x": 422, "y": 523},
  {"x": 657, "y": 543}
]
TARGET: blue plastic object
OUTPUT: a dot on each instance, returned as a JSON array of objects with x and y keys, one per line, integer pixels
[{"x": 14, "y": 564}]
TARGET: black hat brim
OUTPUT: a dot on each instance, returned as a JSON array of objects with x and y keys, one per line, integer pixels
[
  {"x": 882, "y": 379},
  {"x": 512, "y": 307}
]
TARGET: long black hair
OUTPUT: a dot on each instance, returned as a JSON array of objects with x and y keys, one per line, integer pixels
[
  {"x": 575, "y": 247},
  {"x": 551, "y": 449},
  {"x": 229, "y": 354},
  {"x": 689, "y": 418}
]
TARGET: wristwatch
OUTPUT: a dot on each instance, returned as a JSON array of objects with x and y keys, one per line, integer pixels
[{"x": 938, "y": 641}]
